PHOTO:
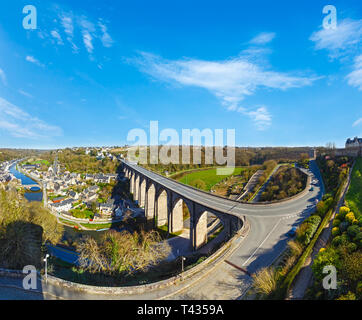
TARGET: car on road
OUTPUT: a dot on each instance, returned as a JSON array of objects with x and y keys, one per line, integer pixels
[
  {"x": 311, "y": 189},
  {"x": 291, "y": 233}
]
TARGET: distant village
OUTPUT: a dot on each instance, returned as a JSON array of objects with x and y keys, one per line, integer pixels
[{"x": 67, "y": 192}]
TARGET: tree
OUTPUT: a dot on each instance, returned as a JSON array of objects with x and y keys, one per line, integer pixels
[{"x": 122, "y": 252}]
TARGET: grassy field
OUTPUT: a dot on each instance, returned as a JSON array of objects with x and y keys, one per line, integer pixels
[
  {"x": 209, "y": 177},
  {"x": 354, "y": 195}
]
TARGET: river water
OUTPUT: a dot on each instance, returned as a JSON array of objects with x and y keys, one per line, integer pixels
[{"x": 31, "y": 196}]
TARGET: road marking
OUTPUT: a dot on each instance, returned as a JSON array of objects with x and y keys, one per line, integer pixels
[{"x": 262, "y": 242}]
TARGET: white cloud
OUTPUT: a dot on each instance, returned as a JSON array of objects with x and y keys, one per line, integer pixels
[
  {"x": 343, "y": 43},
  {"x": 87, "y": 39},
  {"x": 67, "y": 23},
  {"x": 346, "y": 38},
  {"x": 263, "y": 38},
  {"x": 33, "y": 60},
  {"x": 106, "y": 39},
  {"x": 229, "y": 80},
  {"x": 3, "y": 77},
  {"x": 355, "y": 77},
  {"x": 55, "y": 34},
  {"x": 24, "y": 93},
  {"x": 261, "y": 116},
  {"x": 357, "y": 122},
  {"x": 20, "y": 124}
]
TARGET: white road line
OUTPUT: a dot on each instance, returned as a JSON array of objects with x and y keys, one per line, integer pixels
[{"x": 244, "y": 264}]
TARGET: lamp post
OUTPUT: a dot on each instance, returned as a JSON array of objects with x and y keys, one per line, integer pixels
[
  {"x": 182, "y": 265},
  {"x": 46, "y": 267}
]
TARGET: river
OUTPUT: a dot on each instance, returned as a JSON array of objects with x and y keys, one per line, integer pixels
[{"x": 25, "y": 180}]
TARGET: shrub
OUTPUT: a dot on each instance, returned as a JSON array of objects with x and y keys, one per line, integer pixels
[
  {"x": 359, "y": 290},
  {"x": 353, "y": 231},
  {"x": 349, "y": 296},
  {"x": 351, "y": 247},
  {"x": 343, "y": 211},
  {"x": 350, "y": 217},
  {"x": 307, "y": 229},
  {"x": 335, "y": 231},
  {"x": 358, "y": 239},
  {"x": 337, "y": 241},
  {"x": 336, "y": 222},
  {"x": 324, "y": 258},
  {"x": 343, "y": 226},
  {"x": 265, "y": 281}
]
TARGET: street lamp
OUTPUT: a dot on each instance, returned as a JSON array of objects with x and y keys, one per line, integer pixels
[
  {"x": 46, "y": 267},
  {"x": 182, "y": 264}
]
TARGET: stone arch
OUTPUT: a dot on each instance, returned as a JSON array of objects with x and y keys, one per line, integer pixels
[{"x": 198, "y": 228}]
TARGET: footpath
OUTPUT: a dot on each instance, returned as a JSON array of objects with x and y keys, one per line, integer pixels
[{"x": 305, "y": 277}]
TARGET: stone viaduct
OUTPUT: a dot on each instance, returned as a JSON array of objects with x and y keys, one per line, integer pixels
[{"x": 165, "y": 207}]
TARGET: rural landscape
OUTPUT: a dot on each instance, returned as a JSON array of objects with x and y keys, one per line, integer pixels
[{"x": 181, "y": 158}]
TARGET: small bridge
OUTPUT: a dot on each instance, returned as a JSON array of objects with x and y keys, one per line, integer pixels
[{"x": 29, "y": 186}]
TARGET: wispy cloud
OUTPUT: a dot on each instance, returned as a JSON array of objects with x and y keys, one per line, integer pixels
[
  {"x": 106, "y": 39},
  {"x": 3, "y": 77},
  {"x": 343, "y": 43},
  {"x": 339, "y": 42},
  {"x": 355, "y": 77},
  {"x": 261, "y": 116},
  {"x": 55, "y": 34},
  {"x": 34, "y": 61},
  {"x": 24, "y": 93},
  {"x": 229, "y": 80},
  {"x": 20, "y": 124},
  {"x": 263, "y": 38},
  {"x": 357, "y": 122}
]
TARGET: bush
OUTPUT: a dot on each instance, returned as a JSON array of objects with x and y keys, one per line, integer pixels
[
  {"x": 359, "y": 290},
  {"x": 353, "y": 231},
  {"x": 358, "y": 240},
  {"x": 335, "y": 231},
  {"x": 336, "y": 222},
  {"x": 343, "y": 226},
  {"x": 308, "y": 228},
  {"x": 349, "y": 296},
  {"x": 351, "y": 247},
  {"x": 324, "y": 258},
  {"x": 350, "y": 217},
  {"x": 343, "y": 211},
  {"x": 337, "y": 241}
]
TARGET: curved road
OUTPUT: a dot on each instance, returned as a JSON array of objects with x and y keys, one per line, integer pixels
[{"x": 265, "y": 241}]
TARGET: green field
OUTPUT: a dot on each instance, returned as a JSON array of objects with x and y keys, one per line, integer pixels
[
  {"x": 209, "y": 177},
  {"x": 354, "y": 195},
  {"x": 37, "y": 162}
]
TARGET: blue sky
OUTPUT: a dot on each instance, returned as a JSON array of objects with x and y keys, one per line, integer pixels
[{"x": 94, "y": 70}]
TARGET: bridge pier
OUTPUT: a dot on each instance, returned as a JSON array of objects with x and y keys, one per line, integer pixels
[
  {"x": 198, "y": 227},
  {"x": 176, "y": 222},
  {"x": 150, "y": 202},
  {"x": 136, "y": 187},
  {"x": 161, "y": 209},
  {"x": 142, "y": 193}
]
